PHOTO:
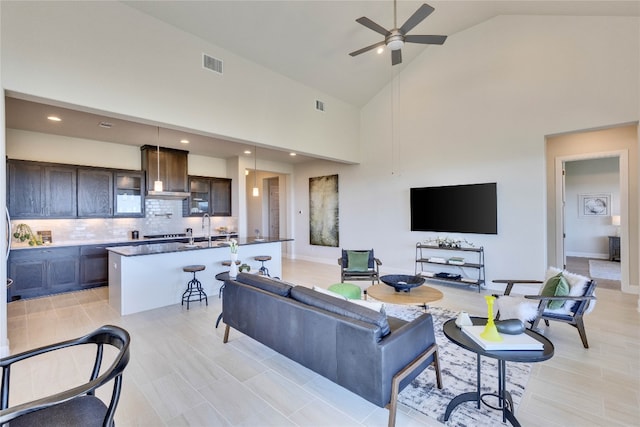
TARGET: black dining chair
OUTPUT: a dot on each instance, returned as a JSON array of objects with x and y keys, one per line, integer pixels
[{"x": 79, "y": 405}]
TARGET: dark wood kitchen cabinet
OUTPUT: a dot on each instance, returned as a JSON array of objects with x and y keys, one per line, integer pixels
[
  {"x": 38, "y": 190},
  {"x": 173, "y": 168},
  {"x": 39, "y": 272},
  {"x": 208, "y": 195},
  {"x": 94, "y": 266},
  {"x": 95, "y": 193}
]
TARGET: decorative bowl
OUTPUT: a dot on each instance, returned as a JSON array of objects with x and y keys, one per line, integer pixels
[{"x": 402, "y": 282}]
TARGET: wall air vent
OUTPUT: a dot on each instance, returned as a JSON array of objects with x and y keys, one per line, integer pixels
[
  {"x": 319, "y": 105},
  {"x": 211, "y": 63}
]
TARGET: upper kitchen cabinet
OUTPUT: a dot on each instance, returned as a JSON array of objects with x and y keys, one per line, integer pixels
[
  {"x": 220, "y": 197},
  {"x": 208, "y": 195},
  {"x": 45, "y": 190},
  {"x": 95, "y": 193},
  {"x": 129, "y": 194},
  {"x": 39, "y": 190},
  {"x": 173, "y": 169}
]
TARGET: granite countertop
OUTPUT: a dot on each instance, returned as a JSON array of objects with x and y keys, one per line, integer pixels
[
  {"x": 112, "y": 241},
  {"x": 161, "y": 248}
]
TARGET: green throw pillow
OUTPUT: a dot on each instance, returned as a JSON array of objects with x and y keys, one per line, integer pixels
[
  {"x": 357, "y": 261},
  {"x": 556, "y": 286}
]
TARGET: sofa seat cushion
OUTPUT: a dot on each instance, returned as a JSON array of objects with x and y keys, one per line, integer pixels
[
  {"x": 342, "y": 307},
  {"x": 268, "y": 284}
]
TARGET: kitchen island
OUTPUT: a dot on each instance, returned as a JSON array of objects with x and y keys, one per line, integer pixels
[{"x": 151, "y": 276}]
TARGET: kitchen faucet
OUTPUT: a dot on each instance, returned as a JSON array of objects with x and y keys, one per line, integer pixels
[{"x": 208, "y": 228}]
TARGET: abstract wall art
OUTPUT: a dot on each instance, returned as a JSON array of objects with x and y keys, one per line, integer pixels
[{"x": 324, "y": 211}]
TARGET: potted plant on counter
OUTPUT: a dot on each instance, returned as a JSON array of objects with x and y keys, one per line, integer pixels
[{"x": 24, "y": 233}]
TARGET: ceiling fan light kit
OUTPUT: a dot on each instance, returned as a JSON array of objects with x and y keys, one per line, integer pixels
[{"x": 395, "y": 38}]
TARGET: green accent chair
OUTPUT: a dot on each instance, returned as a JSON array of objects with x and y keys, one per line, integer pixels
[{"x": 359, "y": 265}]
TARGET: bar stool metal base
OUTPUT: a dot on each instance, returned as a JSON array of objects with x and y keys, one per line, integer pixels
[
  {"x": 194, "y": 290},
  {"x": 263, "y": 270}
]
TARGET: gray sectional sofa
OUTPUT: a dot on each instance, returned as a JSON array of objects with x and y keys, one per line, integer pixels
[{"x": 362, "y": 350}]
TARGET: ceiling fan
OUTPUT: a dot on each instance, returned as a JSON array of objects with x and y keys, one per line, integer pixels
[{"x": 396, "y": 37}]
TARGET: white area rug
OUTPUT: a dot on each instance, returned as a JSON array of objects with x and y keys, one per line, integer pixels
[
  {"x": 604, "y": 269},
  {"x": 458, "y": 367}
]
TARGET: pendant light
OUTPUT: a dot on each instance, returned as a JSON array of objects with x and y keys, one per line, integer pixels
[
  {"x": 256, "y": 192},
  {"x": 157, "y": 185}
]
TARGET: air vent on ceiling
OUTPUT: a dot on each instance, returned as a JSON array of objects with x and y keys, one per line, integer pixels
[
  {"x": 319, "y": 105},
  {"x": 211, "y": 63}
]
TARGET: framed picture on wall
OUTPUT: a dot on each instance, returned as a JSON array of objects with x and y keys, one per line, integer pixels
[{"x": 594, "y": 204}]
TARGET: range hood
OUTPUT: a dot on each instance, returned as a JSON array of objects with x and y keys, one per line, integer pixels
[{"x": 172, "y": 165}]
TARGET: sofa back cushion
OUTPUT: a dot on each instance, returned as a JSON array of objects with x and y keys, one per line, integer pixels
[
  {"x": 268, "y": 284},
  {"x": 341, "y": 307}
]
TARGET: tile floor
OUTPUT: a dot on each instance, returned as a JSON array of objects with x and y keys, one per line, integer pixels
[{"x": 181, "y": 374}]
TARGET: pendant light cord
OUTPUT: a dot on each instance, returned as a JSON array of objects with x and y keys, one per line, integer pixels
[{"x": 158, "y": 153}]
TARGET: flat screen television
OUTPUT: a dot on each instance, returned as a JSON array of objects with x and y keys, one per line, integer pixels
[{"x": 471, "y": 208}]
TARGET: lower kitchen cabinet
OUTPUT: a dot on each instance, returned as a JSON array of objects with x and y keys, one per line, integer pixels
[
  {"x": 94, "y": 266},
  {"x": 46, "y": 271}
]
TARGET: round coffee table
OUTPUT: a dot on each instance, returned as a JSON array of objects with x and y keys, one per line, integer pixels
[{"x": 420, "y": 295}]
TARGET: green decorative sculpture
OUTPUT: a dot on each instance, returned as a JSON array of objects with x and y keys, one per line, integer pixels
[{"x": 490, "y": 332}]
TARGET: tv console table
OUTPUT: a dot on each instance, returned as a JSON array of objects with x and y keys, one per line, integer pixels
[{"x": 428, "y": 256}]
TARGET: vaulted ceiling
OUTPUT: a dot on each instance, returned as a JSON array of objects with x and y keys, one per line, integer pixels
[
  {"x": 306, "y": 40},
  {"x": 310, "y": 40}
]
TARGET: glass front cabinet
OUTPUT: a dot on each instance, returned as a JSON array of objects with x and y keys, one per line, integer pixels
[
  {"x": 129, "y": 194},
  {"x": 208, "y": 195}
]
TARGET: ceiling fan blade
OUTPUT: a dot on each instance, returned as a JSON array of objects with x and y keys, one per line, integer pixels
[
  {"x": 366, "y": 49},
  {"x": 396, "y": 57},
  {"x": 425, "y": 39},
  {"x": 417, "y": 17},
  {"x": 373, "y": 26}
]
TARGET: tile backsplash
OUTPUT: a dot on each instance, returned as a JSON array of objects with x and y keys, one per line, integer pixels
[{"x": 162, "y": 217}]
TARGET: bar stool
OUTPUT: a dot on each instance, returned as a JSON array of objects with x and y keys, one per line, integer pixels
[
  {"x": 222, "y": 277},
  {"x": 263, "y": 270},
  {"x": 194, "y": 290}
]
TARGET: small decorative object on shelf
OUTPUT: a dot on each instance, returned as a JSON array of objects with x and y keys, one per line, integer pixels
[
  {"x": 490, "y": 332},
  {"x": 456, "y": 260},
  {"x": 447, "y": 242}
]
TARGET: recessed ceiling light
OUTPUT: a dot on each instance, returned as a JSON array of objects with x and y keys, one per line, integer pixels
[
  {"x": 105, "y": 125},
  {"x": 380, "y": 50},
  {"x": 54, "y": 118},
  {"x": 292, "y": 154},
  {"x": 247, "y": 151},
  {"x": 184, "y": 141}
]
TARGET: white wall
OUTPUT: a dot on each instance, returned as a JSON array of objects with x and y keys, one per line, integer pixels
[
  {"x": 36, "y": 146},
  {"x": 586, "y": 236},
  {"x": 478, "y": 110},
  {"x": 112, "y": 58}
]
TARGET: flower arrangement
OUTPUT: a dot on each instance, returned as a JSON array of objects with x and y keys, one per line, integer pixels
[
  {"x": 447, "y": 242},
  {"x": 233, "y": 245}
]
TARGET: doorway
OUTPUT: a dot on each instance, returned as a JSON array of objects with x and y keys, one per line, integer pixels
[
  {"x": 620, "y": 142},
  {"x": 591, "y": 189}
]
